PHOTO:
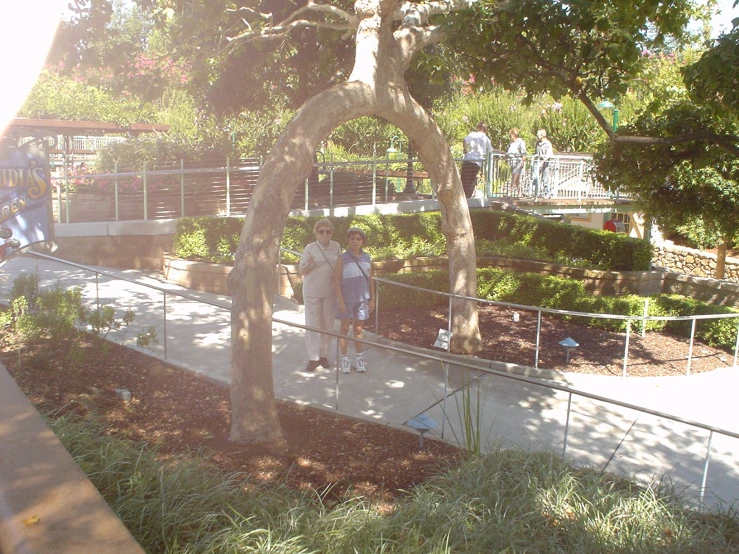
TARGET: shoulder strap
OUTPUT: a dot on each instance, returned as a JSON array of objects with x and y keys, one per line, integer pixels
[
  {"x": 324, "y": 255},
  {"x": 356, "y": 261}
]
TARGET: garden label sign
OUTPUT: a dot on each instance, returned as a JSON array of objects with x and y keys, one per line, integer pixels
[{"x": 24, "y": 196}]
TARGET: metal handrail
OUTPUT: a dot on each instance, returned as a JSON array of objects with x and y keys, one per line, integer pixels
[
  {"x": 540, "y": 310},
  {"x": 432, "y": 356},
  {"x": 563, "y": 183}
]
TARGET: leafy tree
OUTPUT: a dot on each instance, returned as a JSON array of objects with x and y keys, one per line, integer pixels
[
  {"x": 56, "y": 96},
  {"x": 590, "y": 50}
]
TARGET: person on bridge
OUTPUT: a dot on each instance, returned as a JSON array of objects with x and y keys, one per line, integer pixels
[
  {"x": 317, "y": 266},
  {"x": 477, "y": 147},
  {"x": 355, "y": 293},
  {"x": 516, "y": 155},
  {"x": 540, "y": 171}
]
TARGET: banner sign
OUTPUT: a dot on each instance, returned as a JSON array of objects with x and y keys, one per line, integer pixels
[{"x": 24, "y": 196}]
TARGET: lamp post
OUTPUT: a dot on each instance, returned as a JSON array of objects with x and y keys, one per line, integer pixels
[
  {"x": 393, "y": 150},
  {"x": 410, "y": 187},
  {"x": 610, "y": 106}
]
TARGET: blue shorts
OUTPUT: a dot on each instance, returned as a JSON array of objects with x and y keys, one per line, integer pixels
[{"x": 358, "y": 311}]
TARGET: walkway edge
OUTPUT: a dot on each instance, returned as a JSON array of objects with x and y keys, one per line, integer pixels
[{"x": 47, "y": 504}]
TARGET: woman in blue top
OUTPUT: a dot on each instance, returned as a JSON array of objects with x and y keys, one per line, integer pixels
[{"x": 355, "y": 295}]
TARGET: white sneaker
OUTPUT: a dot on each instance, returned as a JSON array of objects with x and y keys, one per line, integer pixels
[
  {"x": 345, "y": 365},
  {"x": 359, "y": 364}
]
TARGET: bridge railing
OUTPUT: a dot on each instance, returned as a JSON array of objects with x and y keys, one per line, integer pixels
[{"x": 174, "y": 189}]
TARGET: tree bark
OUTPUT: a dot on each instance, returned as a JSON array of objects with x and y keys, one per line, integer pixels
[
  {"x": 374, "y": 88},
  {"x": 721, "y": 259}
]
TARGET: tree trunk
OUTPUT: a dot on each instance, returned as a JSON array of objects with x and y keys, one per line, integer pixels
[
  {"x": 374, "y": 88},
  {"x": 721, "y": 259}
]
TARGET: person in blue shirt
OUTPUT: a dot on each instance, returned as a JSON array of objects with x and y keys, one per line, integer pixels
[{"x": 355, "y": 295}]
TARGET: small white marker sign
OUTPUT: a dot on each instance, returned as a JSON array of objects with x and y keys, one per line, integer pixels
[{"x": 442, "y": 340}]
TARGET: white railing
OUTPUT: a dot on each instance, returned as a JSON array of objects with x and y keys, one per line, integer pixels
[{"x": 168, "y": 190}]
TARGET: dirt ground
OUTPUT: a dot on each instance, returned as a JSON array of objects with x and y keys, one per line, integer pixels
[{"x": 179, "y": 411}]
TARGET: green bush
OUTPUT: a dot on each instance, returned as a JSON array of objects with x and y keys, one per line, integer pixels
[
  {"x": 533, "y": 289},
  {"x": 402, "y": 236}
]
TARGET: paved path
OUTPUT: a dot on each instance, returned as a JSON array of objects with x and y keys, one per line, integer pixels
[{"x": 400, "y": 386}]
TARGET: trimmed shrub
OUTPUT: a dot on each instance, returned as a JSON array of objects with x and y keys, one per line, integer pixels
[
  {"x": 532, "y": 289},
  {"x": 402, "y": 236}
]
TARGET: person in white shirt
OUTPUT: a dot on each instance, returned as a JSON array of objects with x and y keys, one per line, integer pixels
[
  {"x": 476, "y": 147},
  {"x": 516, "y": 155},
  {"x": 540, "y": 172},
  {"x": 317, "y": 268}
]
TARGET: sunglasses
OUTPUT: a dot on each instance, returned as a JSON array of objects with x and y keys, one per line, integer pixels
[
  {"x": 324, "y": 231},
  {"x": 356, "y": 237}
]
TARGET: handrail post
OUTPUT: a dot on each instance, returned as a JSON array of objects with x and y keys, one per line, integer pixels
[
  {"x": 331, "y": 186},
  {"x": 115, "y": 191},
  {"x": 306, "y": 195},
  {"x": 374, "y": 181},
  {"x": 567, "y": 425},
  {"x": 538, "y": 335},
  {"x": 736, "y": 344},
  {"x": 146, "y": 196},
  {"x": 377, "y": 308},
  {"x": 97, "y": 289},
  {"x": 705, "y": 468},
  {"x": 164, "y": 293},
  {"x": 228, "y": 186},
  {"x": 446, "y": 393},
  {"x": 690, "y": 348},
  {"x": 336, "y": 378},
  {"x": 182, "y": 187},
  {"x": 644, "y": 321},
  {"x": 626, "y": 347}
]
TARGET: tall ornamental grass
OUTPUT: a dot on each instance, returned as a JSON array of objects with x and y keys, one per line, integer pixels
[{"x": 507, "y": 501}]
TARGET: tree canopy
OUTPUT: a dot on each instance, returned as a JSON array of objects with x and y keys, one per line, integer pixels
[{"x": 352, "y": 60}]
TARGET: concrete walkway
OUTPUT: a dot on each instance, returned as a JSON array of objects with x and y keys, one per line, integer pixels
[{"x": 400, "y": 386}]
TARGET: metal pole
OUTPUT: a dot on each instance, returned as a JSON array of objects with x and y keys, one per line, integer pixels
[
  {"x": 626, "y": 346},
  {"x": 115, "y": 190},
  {"x": 374, "y": 181},
  {"x": 446, "y": 393},
  {"x": 336, "y": 383},
  {"x": 644, "y": 321},
  {"x": 66, "y": 180},
  {"x": 377, "y": 308},
  {"x": 331, "y": 187},
  {"x": 165, "y": 324},
  {"x": 705, "y": 467},
  {"x": 306, "y": 195},
  {"x": 97, "y": 290},
  {"x": 690, "y": 348},
  {"x": 182, "y": 187},
  {"x": 567, "y": 424},
  {"x": 538, "y": 335},
  {"x": 146, "y": 198},
  {"x": 228, "y": 186},
  {"x": 449, "y": 323},
  {"x": 736, "y": 345}
]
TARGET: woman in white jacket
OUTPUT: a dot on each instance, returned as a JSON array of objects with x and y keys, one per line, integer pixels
[{"x": 317, "y": 268}]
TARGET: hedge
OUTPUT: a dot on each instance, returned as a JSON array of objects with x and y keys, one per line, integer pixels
[
  {"x": 533, "y": 289},
  {"x": 419, "y": 234}
]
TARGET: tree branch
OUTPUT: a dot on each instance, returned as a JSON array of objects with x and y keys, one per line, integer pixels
[
  {"x": 297, "y": 19},
  {"x": 412, "y": 14},
  {"x": 728, "y": 142}
]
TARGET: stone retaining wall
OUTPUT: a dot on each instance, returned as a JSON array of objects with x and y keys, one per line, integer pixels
[{"x": 689, "y": 261}]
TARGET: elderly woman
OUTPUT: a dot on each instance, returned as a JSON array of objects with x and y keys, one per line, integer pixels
[{"x": 317, "y": 267}]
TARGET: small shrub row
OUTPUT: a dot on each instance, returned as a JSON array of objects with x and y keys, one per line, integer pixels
[
  {"x": 533, "y": 289},
  {"x": 401, "y": 236}
]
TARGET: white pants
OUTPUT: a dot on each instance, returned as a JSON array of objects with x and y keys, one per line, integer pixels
[{"x": 319, "y": 312}]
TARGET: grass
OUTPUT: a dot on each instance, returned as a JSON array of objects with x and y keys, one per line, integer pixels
[{"x": 507, "y": 501}]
